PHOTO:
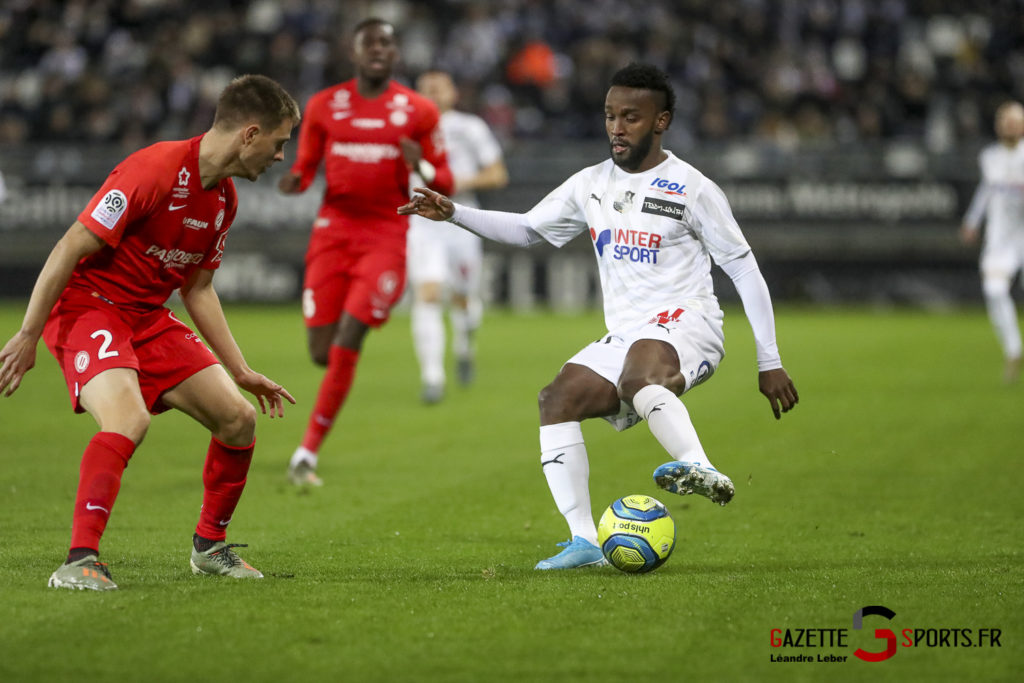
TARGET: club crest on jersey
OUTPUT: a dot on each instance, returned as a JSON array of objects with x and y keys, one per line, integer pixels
[
  {"x": 340, "y": 99},
  {"x": 110, "y": 208},
  {"x": 625, "y": 202},
  {"x": 400, "y": 109},
  {"x": 636, "y": 246},
  {"x": 666, "y": 186}
]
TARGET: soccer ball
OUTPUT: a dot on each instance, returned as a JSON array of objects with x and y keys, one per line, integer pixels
[{"x": 636, "y": 534}]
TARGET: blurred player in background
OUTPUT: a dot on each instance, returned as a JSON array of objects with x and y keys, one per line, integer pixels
[
  {"x": 157, "y": 224},
  {"x": 445, "y": 260},
  {"x": 999, "y": 201},
  {"x": 656, "y": 223},
  {"x": 371, "y": 132}
]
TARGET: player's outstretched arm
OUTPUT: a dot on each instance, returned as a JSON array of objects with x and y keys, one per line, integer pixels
[
  {"x": 203, "y": 305},
  {"x": 501, "y": 226},
  {"x": 778, "y": 389},
  {"x": 19, "y": 354}
]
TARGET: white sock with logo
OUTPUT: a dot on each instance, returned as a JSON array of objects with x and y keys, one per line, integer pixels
[
  {"x": 304, "y": 454},
  {"x": 670, "y": 424},
  {"x": 428, "y": 340},
  {"x": 564, "y": 460}
]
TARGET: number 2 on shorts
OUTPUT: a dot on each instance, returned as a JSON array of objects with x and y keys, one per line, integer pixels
[{"x": 104, "y": 351}]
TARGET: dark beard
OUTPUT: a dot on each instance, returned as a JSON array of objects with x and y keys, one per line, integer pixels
[{"x": 636, "y": 154}]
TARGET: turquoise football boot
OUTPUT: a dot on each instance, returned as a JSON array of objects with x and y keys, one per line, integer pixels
[{"x": 579, "y": 552}]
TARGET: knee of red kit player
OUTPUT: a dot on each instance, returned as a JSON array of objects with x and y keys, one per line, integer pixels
[
  {"x": 236, "y": 423},
  {"x": 132, "y": 424}
]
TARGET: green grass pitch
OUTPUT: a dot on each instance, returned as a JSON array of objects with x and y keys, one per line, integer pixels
[{"x": 896, "y": 482}]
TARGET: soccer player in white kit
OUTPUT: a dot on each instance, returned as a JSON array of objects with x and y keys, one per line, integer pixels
[
  {"x": 999, "y": 200},
  {"x": 656, "y": 223},
  {"x": 444, "y": 260}
]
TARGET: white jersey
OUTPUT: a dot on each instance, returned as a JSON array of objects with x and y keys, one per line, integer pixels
[
  {"x": 654, "y": 234},
  {"x": 999, "y": 198},
  {"x": 440, "y": 251},
  {"x": 471, "y": 146}
]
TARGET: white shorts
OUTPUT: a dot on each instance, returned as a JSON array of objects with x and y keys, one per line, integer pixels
[
  {"x": 439, "y": 251},
  {"x": 698, "y": 341}
]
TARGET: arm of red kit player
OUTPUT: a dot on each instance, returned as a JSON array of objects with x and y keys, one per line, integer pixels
[
  {"x": 203, "y": 305},
  {"x": 19, "y": 354},
  {"x": 309, "y": 153},
  {"x": 432, "y": 144}
]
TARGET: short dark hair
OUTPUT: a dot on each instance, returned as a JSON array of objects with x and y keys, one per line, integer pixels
[
  {"x": 647, "y": 77},
  {"x": 255, "y": 97}
]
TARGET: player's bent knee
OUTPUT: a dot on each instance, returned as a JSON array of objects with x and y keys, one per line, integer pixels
[
  {"x": 560, "y": 403},
  {"x": 237, "y": 425},
  {"x": 551, "y": 403},
  {"x": 628, "y": 386},
  {"x": 131, "y": 424},
  {"x": 429, "y": 293}
]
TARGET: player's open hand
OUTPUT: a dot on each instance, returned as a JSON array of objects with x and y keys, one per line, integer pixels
[
  {"x": 17, "y": 357},
  {"x": 429, "y": 204},
  {"x": 778, "y": 388},
  {"x": 266, "y": 391}
]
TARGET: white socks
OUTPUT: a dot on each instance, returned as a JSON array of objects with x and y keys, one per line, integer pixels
[
  {"x": 670, "y": 424},
  {"x": 564, "y": 460},
  {"x": 464, "y": 324},
  {"x": 304, "y": 454},
  {"x": 1003, "y": 314},
  {"x": 428, "y": 340}
]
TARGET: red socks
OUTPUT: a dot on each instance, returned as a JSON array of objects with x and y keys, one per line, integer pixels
[
  {"x": 224, "y": 479},
  {"x": 99, "y": 480},
  {"x": 341, "y": 370}
]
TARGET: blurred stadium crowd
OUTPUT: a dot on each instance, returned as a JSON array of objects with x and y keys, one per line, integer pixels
[{"x": 789, "y": 73}]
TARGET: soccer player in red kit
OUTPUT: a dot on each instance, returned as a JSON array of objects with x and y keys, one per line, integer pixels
[
  {"x": 157, "y": 224},
  {"x": 370, "y": 132}
]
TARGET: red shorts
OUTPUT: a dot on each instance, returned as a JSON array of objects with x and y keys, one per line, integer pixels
[
  {"x": 366, "y": 284},
  {"x": 88, "y": 336}
]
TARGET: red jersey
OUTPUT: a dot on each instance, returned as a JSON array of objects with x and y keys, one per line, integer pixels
[
  {"x": 159, "y": 225},
  {"x": 367, "y": 178}
]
